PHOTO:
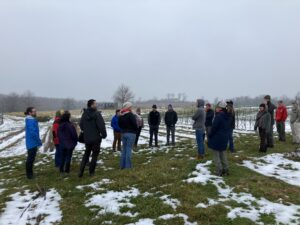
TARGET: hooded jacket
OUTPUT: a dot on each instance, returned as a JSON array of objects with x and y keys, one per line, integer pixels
[
  {"x": 115, "y": 124},
  {"x": 263, "y": 120},
  {"x": 32, "y": 133},
  {"x": 67, "y": 135},
  {"x": 199, "y": 116},
  {"x": 171, "y": 118},
  {"x": 93, "y": 126}
]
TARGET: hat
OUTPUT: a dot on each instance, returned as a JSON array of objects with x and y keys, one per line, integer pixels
[
  {"x": 154, "y": 107},
  {"x": 221, "y": 104},
  {"x": 229, "y": 102},
  {"x": 127, "y": 105},
  {"x": 267, "y": 97},
  {"x": 200, "y": 103}
]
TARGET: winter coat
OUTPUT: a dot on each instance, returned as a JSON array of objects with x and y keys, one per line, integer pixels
[
  {"x": 55, "y": 130},
  {"x": 231, "y": 120},
  {"x": 218, "y": 137},
  {"x": 171, "y": 118},
  {"x": 139, "y": 120},
  {"x": 115, "y": 124},
  {"x": 271, "y": 109},
  {"x": 209, "y": 118},
  {"x": 32, "y": 133},
  {"x": 154, "y": 119},
  {"x": 67, "y": 135},
  {"x": 93, "y": 126},
  {"x": 199, "y": 119},
  {"x": 128, "y": 123},
  {"x": 263, "y": 121},
  {"x": 281, "y": 114},
  {"x": 295, "y": 115}
]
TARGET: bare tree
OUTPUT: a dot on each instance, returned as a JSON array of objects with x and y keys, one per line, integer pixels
[
  {"x": 28, "y": 98},
  {"x": 123, "y": 94}
]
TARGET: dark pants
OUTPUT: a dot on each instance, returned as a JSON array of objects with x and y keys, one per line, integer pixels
[
  {"x": 171, "y": 131},
  {"x": 66, "y": 158},
  {"x": 153, "y": 132},
  {"x": 281, "y": 130},
  {"x": 221, "y": 162},
  {"x": 138, "y": 134},
  {"x": 270, "y": 138},
  {"x": 57, "y": 156},
  {"x": 117, "y": 140},
  {"x": 31, "y": 154},
  {"x": 263, "y": 140},
  {"x": 95, "y": 150},
  {"x": 231, "y": 143}
]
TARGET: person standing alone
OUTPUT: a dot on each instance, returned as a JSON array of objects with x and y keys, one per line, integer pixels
[
  {"x": 281, "y": 116},
  {"x": 171, "y": 119},
  {"x": 154, "y": 120},
  {"x": 33, "y": 141}
]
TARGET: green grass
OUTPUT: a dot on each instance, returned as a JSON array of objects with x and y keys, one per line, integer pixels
[{"x": 164, "y": 174}]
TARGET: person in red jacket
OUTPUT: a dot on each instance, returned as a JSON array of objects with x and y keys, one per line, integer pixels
[
  {"x": 56, "y": 139},
  {"x": 281, "y": 116}
]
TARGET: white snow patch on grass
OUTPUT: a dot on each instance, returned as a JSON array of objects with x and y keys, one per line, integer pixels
[
  {"x": 174, "y": 203},
  {"x": 180, "y": 215},
  {"x": 143, "y": 222},
  {"x": 95, "y": 186}
]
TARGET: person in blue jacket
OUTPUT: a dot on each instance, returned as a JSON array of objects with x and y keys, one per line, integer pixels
[
  {"x": 218, "y": 139},
  {"x": 33, "y": 141},
  {"x": 117, "y": 131}
]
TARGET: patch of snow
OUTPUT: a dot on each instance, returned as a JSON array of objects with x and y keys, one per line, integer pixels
[
  {"x": 180, "y": 215},
  {"x": 174, "y": 203},
  {"x": 95, "y": 186},
  {"x": 143, "y": 222}
]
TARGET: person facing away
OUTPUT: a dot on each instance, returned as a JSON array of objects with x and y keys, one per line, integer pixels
[
  {"x": 32, "y": 138},
  {"x": 117, "y": 131},
  {"x": 171, "y": 119},
  {"x": 210, "y": 114},
  {"x": 263, "y": 124},
  {"x": 281, "y": 116},
  {"x": 295, "y": 122},
  {"x": 231, "y": 114},
  {"x": 140, "y": 123},
  {"x": 199, "y": 126},
  {"x": 271, "y": 109},
  {"x": 218, "y": 139},
  {"x": 68, "y": 141},
  {"x": 55, "y": 126},
  {"x": 129, "y": 128},
  {"x": 93, "y": 127},
  {"x": 154, "y": 120}
]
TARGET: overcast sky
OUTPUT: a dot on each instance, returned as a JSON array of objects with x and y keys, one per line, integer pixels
[{"x": 212, "y": 48}]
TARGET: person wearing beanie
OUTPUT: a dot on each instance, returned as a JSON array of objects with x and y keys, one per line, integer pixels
[
  {"x": 55, "y": 126},
  {"x": 263, "y": 124},
  {"x": 199, "y": 126},
  {"x": 117, "y": 131},
  {"x": 171, "y": 119},
  {"x": 140, "y": 122},
  {"x": 271, "y": 109},
  {"x": 154, "y": 120},
  {"x": 218, "y": 139},
  {"x": 94, "y": 130},
  {"x": 231, "y": 114},
  {"x": 295, "y": 122},
  {"x": 32, "y": 139},
  {"x": 129, "y": 128},
  {"x": 281, "y": 116}
]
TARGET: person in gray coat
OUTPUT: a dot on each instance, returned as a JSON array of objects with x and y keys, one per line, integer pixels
[
  {"x": 295, "y": 122},
  {"x": 199, "y": 127},
  {"x": 263, "y": 124}
]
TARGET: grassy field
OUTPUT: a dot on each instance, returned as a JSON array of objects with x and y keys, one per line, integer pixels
[{"x": 159, "y": 173}]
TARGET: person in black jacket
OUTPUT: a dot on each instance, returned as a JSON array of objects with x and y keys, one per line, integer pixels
[
  {"x": 154, "y": 120},
  {"x": 210, "y": 114},
  {"x": 271, "y": 109},
  {"x": 93, "y": 127},
  {"x": 129, "y": 129},
  {"x": 171, "y": 119},
  {"x": 231, "y": 115}
]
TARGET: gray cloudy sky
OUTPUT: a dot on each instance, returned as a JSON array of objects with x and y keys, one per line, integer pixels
[{"x": 86, "y": 48}]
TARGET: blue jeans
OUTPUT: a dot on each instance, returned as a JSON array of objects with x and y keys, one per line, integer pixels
[
  {"x": 128, "y": 140},
  {"x": 57, "y": 158},
  {"x": 200, "y": 135},
  {"x": 230, "y": 137}
]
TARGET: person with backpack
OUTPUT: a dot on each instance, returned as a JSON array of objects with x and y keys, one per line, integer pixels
[
  {"x": 218, "y": 139},
  {"x": 231, "y": 114},
  {"x": 129, "y": 128},
  {"x": 263, "y": 124},
  {"x": 55, "y": 126},
  {"x": 32, "y": 138},
  {"x": 171, "y": 119},
  {"x": 281, "y": 116},
  {"x": 199, "y": 127},
  {"x": 154, "y": 120},
  {"x": 93, "y": 127},
  {"x": 68, "y": 141},
  {"x": 295, "y": 122},
  {"x": 271, "y": 109},
  {"x": 117, "y": 131},
  {"x": 140, "y": 123}
]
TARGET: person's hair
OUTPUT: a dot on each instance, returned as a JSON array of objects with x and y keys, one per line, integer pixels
[
  {"x": 90, "y": 102},
  {"x": 280, "y": 101},
  {"x": 117, "y": 111},
  {"x": 267, "y": 97},
  {"x": 262, "y": 105},
  {"x": 208, "y": 104},
  {"x": 65, "y": 117},
  {"x": 230, "y": 109},
  {"x": 28, "y": 111}
]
